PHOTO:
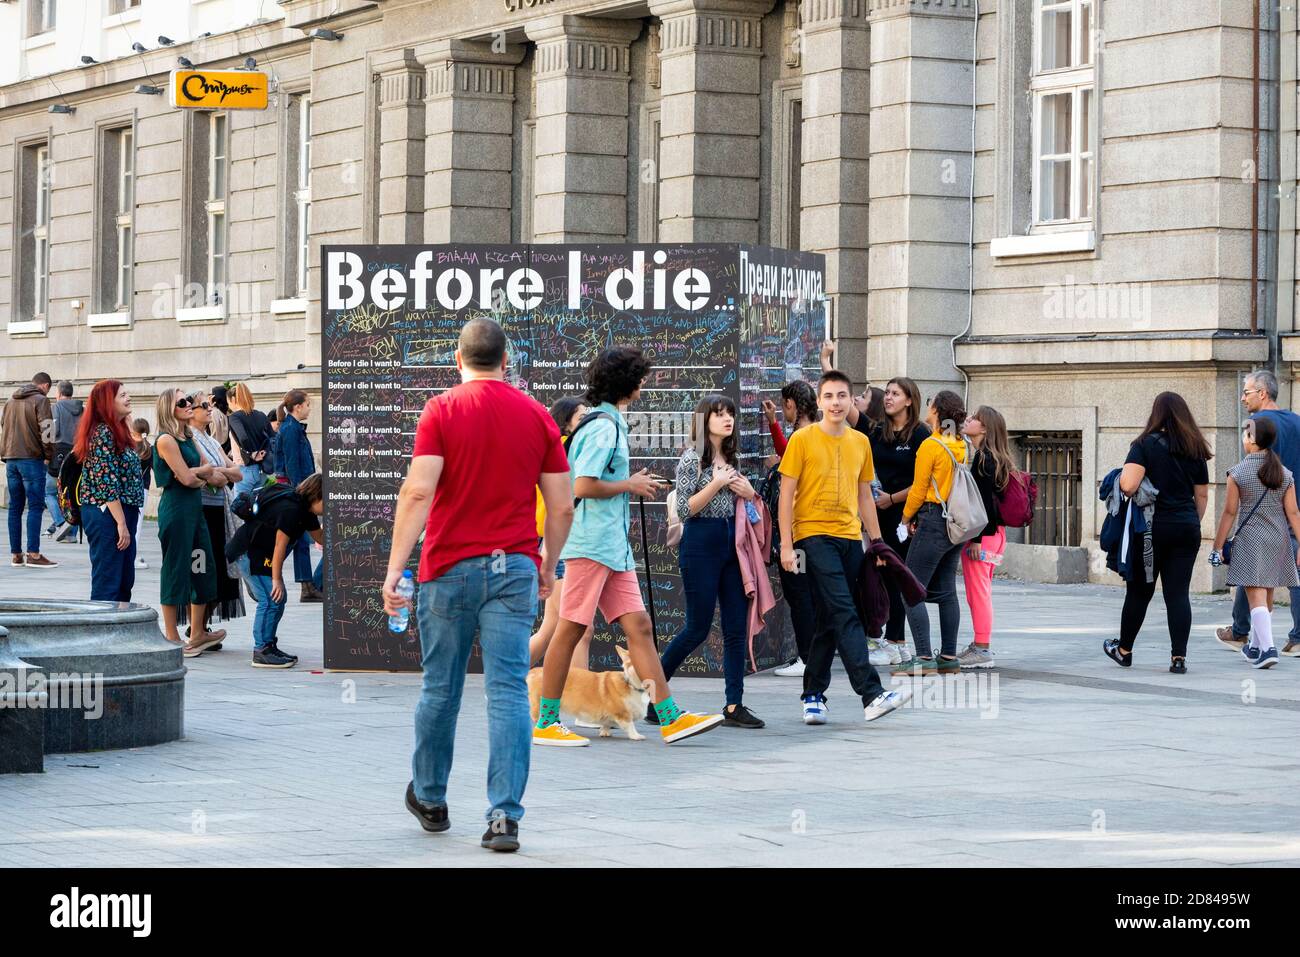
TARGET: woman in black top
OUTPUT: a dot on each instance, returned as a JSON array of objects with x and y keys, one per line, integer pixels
[
  {"x": 893, "y": 451},
  {"x": 1172, "y": 453},
  {"x": 251, "y": 435}
]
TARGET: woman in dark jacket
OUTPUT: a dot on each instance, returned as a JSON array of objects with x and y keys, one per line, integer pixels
[
  {"x": 1171, "y": 452},
  {"x": 294, "y": 463}
]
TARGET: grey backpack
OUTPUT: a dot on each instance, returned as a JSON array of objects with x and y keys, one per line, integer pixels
[{"x": 964, "y": 511}]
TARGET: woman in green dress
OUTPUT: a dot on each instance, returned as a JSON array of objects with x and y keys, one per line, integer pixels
[{"x": 189, "y": 577}]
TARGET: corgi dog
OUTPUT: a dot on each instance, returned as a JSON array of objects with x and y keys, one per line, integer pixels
[{"x": 604, "y": 698}]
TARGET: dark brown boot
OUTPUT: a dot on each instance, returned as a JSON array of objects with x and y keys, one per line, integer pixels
[{"x": 310, "y": 594}]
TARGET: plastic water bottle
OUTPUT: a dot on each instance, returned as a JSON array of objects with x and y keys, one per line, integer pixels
[{"x": 405, "y": 588}]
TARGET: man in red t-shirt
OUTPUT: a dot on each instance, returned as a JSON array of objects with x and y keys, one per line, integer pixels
[{"x": 481, "y": 449}]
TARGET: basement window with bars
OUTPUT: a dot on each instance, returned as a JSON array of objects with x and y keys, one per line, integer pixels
[{"x": 1055, "y": 460}]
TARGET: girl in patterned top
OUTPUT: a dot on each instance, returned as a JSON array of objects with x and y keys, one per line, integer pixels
[
  {"x": 708, "y": 483},
  {"x": 1261, "y": 502},
  {"x": 111, "y": 493}
]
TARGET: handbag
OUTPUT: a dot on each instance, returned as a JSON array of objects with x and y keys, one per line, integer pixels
[{"x": 1227, "y": 545}]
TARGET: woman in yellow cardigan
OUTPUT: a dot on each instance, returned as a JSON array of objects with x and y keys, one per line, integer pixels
[{"x": 932, "y": 558}]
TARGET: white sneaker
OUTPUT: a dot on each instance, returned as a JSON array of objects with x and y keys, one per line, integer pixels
[
  {"x": 878, "y": 656},
  {"x": 793, "y": 670},
  {"x": 586, "y": 724},
  {"x": 141, "y": 563},
  {"x": 904, "y": 653},
  {"x": 887, "y": 702},
  {"x": 815, "y": 710},
  {"x": 64, "y": 532}
]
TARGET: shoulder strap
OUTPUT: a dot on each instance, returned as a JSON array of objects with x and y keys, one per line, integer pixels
[{"x": 586, "y": 420}]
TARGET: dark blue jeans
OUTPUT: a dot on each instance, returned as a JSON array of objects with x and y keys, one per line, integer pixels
[
  {"x": 832, "y": 566},
  {"x": 933, "y": 559},
  {"x": 803, "y": 617},
  {"x": 26, "y": 479},
  {"x": 302, "y": 559},
  {"x": 112, "y": 572},
  {"x": 711, "y": 578}
]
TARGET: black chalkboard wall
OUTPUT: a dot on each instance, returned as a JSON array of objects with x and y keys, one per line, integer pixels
[{"x": 748, "y": 320}]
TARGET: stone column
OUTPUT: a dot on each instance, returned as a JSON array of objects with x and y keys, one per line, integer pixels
[
  {"x": 835, "y": 188},
  {"x": 401, "y": 147},
  {"x": 709, "y": 132},
  {"x": 468, "y": 125},
  {"x": 921, "y": 90},
  {"x": 581, "y": 79}
]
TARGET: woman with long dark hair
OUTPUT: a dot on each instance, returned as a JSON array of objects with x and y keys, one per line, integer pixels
[
  {"x": 1261, "y": 560},
  {"x": 708, "y": 483},
  {"x": 991, "y": 466},
  {"x": 112, "y": 494},
  {"x": 894, "y": 441},
  {"x": 932, "y": 557},
  {"x": 1172, "y": 453},
  {"x": 799, "y": 408}
]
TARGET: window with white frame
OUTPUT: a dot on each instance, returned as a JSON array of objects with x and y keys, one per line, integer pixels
[
  {"x": 41, "y": 233},
  {"x": 41, "y": 16},
  {"x": 116, "y": 221},
  {"x": 1062, "y": 88},
  {"x": 298, "y": 208},
  {"x": 121, "y": 6},
  {"x": 215, "y": 207}
]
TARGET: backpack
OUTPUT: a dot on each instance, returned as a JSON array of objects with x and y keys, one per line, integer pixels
[
  {"x": 1016, "y": 501},
  {"x": 675, "y": 526},
  {"x": 68, "y": 484},
  {"x": 586, "y": 420},
  {"x": 964, "y": 510},
  {"x": 247, "y": 504},
  {"x": 770, "y": 493}
]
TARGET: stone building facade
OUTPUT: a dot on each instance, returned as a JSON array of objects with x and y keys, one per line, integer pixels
[{"x": 1045, "y": 202}]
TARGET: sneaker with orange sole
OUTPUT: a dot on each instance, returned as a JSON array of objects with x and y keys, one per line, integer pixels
[
  {"x": 558, "y": 736},
  {"x": 688, "y": 724}
]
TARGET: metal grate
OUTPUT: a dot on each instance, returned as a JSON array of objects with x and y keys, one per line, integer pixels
[{"x": 1055, "y": 460}]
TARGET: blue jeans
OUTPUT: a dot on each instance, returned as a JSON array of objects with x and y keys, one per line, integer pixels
[
  {"x": 112, "y": 572},
  {"x": 711, "y": 577},
  {"x": 269, "y": 611},
  {"x": 832, "y": 566},
  {"x": 476, "y": 595},
  {"x": 52, "y": 500},
  {"x": 254, "y": 478},
  {"x": 26, "y": 478},
  {"x": 302, "y": 560},
  {"x": 1241, "y": 610}
]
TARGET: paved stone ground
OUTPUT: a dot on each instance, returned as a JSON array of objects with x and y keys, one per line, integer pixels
[{"x": 1067, "y": 760}]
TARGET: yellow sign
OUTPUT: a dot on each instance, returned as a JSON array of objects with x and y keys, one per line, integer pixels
[{"x": 219, "y": 89}]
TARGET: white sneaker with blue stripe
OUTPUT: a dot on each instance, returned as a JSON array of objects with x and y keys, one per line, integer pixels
[
  {"x": 814, "y": 709},
  {"x": 887, "y": 702}
]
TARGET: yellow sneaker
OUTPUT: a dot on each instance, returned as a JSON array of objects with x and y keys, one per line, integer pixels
[
  {"x": 688, "y": 724},
  {"x": 558, "y": 736}
]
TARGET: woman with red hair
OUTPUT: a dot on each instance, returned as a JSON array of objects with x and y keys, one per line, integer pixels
[{"x": 111, "y": 492}]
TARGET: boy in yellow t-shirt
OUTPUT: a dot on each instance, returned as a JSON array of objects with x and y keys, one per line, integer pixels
[{"x": 826, "y": 504}]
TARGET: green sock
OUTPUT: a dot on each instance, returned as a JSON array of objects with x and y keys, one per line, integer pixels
[
  {"x": 548, "y": 712},
  {"x": 667, "y": 711}
]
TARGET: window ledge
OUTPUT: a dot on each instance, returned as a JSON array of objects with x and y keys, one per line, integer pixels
[
  {"x": 117, "y": 19},
  {"x": 1044, "y": 244},
  {"x": 289, "y": 308},
  {"x": 41, "y": 40},
  {"x": 202, "y": 314},
  {"x": 109, "y": 320},
  {"x": 26, "y": 327}
]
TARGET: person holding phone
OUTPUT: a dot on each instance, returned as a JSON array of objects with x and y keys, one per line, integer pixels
[
  {"x": 708, "y": 484},
  {"x": 600, "y": 571}
]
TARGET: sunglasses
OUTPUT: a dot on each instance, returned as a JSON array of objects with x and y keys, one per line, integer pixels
[{"x": 183, "y": 403}]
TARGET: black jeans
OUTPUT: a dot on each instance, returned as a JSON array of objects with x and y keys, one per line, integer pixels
[
  {"x": 889, "y": 521},
  {"x": 1174, "y": 549},
  {"x": 832, "y": 565},
  {"x": 798, "y": 596},
  {"x": 933, "y": 559},
  {"x": 711, "y": 578}
]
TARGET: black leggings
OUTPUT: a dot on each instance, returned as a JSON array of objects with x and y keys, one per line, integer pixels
[{"x": 1175, "y": 548}]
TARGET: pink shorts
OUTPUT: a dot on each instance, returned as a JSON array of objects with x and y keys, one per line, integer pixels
[{"x": 589, "y": 585}]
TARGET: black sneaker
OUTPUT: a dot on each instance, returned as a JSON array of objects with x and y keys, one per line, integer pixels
[
  {"x": 433, "y": 817},
  {"x": 651, "y": 715},
  {"x": 1111, "y": 647},
  {"x": 502, "y": 835},
  {"x": 279, "y": 651},
  {"x": 268, "y": 657},
  {"x": 740, "y": 717}
]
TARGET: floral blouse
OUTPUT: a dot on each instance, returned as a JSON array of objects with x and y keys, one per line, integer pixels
[
  {"x": 110, "y": 475},
  {"x": 691, "y": 479}
]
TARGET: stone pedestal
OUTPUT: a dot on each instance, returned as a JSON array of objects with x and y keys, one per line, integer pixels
[
  {"x": 112, "y": 679},
  {"x": 22, "y": 723}
]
